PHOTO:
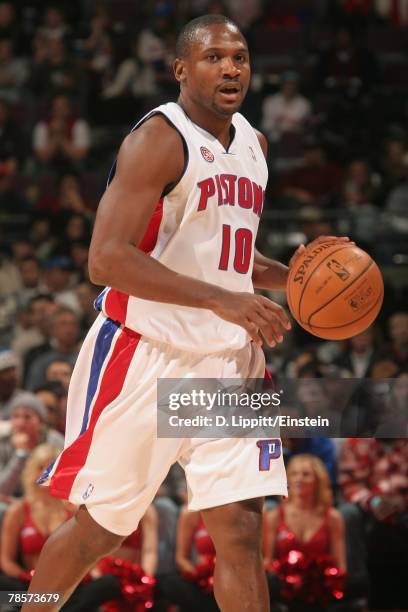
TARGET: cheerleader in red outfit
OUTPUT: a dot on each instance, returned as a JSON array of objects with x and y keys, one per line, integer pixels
[
  {"x": 191, "y": 588},
  {"x": 26, "y": 527},
  {"x": 305, "y": 537}
]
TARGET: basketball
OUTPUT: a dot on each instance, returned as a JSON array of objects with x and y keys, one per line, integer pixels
[{"x": 335, "y": 290}]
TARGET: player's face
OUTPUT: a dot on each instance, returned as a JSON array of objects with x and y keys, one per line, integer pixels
[{"x": 216, "y": 73}]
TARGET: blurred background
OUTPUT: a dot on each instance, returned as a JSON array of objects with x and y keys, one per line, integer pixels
[{"x": 329, "y": 90}]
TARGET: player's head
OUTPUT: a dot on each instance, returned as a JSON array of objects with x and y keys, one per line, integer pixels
[{"x": 212, "y": 64}]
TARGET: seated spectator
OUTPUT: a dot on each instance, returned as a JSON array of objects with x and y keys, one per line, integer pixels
[
  {"x": 64, "y": 344},
  {"x": 41, "y": 308},
  {"x": 13, "y": 72},
  {"x": 397, "y": 207},
  {"x": 28, "y": 429},
  {"x": 53, "y": 71},
  {"x": 31, "y": 279},
  {"x": 27, "y": 525},
  {"x": 8, "y": 21},
  {"x": 9, "y": 381},
  {"x": 309, "y": 532},
  {"x": 68, "y": 199},
  {"x": 384, "y": 368},
  {"x": 360, "y": 185},
  {"x": 50, "y": 394},
  {"x": 314, "y": 400},
  {"x": 317, "y": 182},
  {"x": 131, "y": 76},
  {"x": 59, "y": 370},
  {"x": 359, "y": 354},
  {"x": 12, "y": 146},
  {"x": 9, "y": 274},
  {"x": 58, "y": 282},
  {"x": 347, "y": 67},
  {"x": 76, "y": 229},
  {"x": 12, "y": 201},
  {"x": 54, "y": 25},
  {"x": 284, "y": 116},
  {"x": 42, "y": 237},
  {"x": 63, "y": 138},
  {"x": 398, "y": 333},
  {"x": 373, "y": 473},
  {"x": 394, "y": 166},
  {"x": 195, "y": 555}
]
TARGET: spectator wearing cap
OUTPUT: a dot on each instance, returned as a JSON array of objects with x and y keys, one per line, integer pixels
[
  {"x": 9, "y": 381},
  {"x": 284, "y": 117},
  {"x": 64, "y": 341},
  {"x": 58, "y": 278},
  {"x": 28, "y": 429}
]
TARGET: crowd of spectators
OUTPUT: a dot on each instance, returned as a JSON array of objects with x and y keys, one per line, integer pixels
[{"x": 327, "y": 89}]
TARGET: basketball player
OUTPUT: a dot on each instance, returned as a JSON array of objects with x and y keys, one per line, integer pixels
[{"x": 179, "y": 303}]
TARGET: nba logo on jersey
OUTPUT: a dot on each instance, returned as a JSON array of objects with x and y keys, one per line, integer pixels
[
  {"x": 252, "y": 153},
  {"x": 268, "y": 450},
  {"x": 88, "y": 491},
  {"x": 206, "y": 153}
]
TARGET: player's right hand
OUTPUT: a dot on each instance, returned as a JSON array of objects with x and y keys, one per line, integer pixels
[{"x": 261, "y": 317}]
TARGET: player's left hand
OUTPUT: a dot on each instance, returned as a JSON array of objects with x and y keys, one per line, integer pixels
[{"x": 302, "y": 248}]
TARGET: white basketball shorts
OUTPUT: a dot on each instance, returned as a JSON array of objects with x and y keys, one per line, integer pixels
[{"x": 113, "y": 461}]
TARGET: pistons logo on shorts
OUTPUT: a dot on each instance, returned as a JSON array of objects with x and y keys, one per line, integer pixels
[
  {"x": 206, "y": 153},
  {"x": 268, "y": 450}
]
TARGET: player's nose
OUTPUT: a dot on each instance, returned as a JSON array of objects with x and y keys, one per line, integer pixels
[{"x": 229, "y": 67}]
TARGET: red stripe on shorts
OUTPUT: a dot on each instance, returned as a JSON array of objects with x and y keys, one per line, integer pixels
[
  {"x": 74, "y": 457},
  {"x": 116, "y": 302}
]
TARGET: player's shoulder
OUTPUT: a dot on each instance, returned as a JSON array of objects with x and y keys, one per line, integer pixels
[
  {"x": 154, "y": 137},
  {"x": 155, "y": 128}
]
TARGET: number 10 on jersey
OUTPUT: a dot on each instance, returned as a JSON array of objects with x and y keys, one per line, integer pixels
[{"x": 241, "y": 243}]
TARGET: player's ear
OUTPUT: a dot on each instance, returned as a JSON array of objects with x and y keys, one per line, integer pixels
[{"x": 179, "y": 68}]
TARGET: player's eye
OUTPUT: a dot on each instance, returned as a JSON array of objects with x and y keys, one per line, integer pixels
[
  {"x": 213, "y": 57},
  {"x": 240, "y": 58}
]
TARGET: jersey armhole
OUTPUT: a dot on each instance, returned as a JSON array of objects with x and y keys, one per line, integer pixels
[{"x": 170, "y": 186}]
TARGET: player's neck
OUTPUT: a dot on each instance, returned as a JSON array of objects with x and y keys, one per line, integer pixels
[{"x": 218, "y": 126}]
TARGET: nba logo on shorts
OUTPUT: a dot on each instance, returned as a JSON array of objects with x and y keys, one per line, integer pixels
[
  {"x": 206, "y": 153},
  {"x": 88, "y": 491},
  {"x": 268, "y": 450}
]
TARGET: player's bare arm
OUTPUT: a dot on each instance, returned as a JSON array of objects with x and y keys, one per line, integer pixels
[{"x": 143, "y": 172}]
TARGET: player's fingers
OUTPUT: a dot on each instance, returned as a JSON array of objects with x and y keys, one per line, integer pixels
[
  {"x": 252, "y": 330},
  {"x": 301, "y": 249},
  {"x": 272, "y": 329},
  {"x": 278, "y": 311},
  {"x": 263, "y": 324}
]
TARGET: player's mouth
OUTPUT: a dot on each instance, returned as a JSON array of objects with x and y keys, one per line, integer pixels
[{"x": 231, "y": 92}]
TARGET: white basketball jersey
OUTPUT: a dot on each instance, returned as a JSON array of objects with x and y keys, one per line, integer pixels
[{"x": 205, "y": 227}]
